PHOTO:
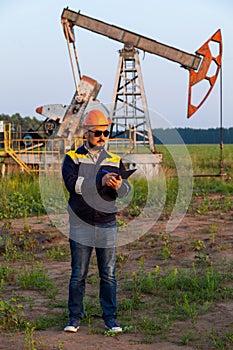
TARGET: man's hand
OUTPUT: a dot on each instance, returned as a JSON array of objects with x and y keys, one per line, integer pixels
[{"x": 112, "y": 180}]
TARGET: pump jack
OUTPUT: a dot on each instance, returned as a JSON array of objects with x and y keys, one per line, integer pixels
[{"x": 129, "y": 111}]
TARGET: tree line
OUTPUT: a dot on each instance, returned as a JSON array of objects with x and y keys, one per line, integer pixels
[
  {"x": 26, "y": 123},
  {"x": 161, "y": 136},
  {"x": 193, "y": 136}
]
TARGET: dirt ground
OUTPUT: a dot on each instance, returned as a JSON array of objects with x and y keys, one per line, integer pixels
[{"x": 218, "y": 317}]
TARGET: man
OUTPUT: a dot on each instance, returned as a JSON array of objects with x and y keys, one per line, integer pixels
[{"x": 91, "y": 175}]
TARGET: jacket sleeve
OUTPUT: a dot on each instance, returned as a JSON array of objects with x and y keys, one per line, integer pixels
[{"x": 70, "y": 174}]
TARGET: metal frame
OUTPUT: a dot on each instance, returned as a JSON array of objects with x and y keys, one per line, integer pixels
[{"x": 129, "y": 111}]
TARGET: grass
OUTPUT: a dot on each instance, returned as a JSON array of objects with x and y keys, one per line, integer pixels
[
  {"x": 11, "y": 312},
  {"x": 150, "y": 303},
  {"x": 187, "y": 285},
  {"x": 205, "y": 158},
  {"x": 153, "y": 301},
  {"x": 59, "y": 253},
  {"x": 21, "y": 196},
  {"x": 36, "y": 278}
]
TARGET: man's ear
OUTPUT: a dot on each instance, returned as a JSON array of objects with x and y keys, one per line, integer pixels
[{"x": 85, "y": 135}]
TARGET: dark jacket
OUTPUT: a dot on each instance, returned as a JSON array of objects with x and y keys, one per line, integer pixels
[{"x": 95, "y": 204}]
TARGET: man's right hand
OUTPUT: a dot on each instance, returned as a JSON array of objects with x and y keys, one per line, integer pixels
[
  {"x": 107, "y": 177},
  {"x": 112, "y": 180}
]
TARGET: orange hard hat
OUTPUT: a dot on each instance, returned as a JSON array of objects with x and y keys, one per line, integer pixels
[{"x": 95, "y": 118}]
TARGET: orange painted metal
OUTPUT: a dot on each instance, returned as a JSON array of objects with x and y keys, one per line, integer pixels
[{"x": 196, "y": 77}]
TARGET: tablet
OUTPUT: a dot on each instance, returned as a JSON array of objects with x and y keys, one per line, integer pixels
[{"x": 126, "y": 173}]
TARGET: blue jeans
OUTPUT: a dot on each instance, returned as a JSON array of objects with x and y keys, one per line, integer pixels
[
  {"x": 80, "y": 258},
  {"x": 102, "y": 236}
]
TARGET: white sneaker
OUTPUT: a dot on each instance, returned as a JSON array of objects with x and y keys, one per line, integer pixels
[
  {"x": 112, "y": 325},
  {"x": 73, "y": 325}
]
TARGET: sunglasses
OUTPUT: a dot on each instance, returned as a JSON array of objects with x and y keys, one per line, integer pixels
[{"x": 98, "y": 133}]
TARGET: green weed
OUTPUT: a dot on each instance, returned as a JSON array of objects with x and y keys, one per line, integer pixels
[
  {"x": 12, "y": 251},
  {"x": 36, "y": 278},
  {"x": 19, "y": 245},
  {"x": 53, "y": 320},
  {"x": 6, "y": 274},
  {"x": 153, "y": 326},
  {"x": 187, "y": 292},
  {"x": 198, "y": 245},
  {"x": 222, "y": 342},
  {"x": 186, "y": 338},
  {"x": 11, "y": 313},
  {"x": 58, "y": 253},
  {"x": 29, "y": 341},
  {"x": 110, "y": 333}
]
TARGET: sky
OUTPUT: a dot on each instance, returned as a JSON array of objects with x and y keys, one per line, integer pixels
[{"x": 35, "y": 69}]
